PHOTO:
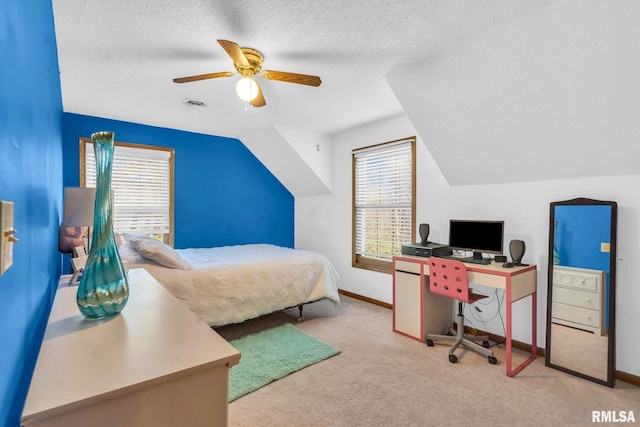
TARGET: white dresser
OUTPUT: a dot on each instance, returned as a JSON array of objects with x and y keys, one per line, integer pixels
[
  {"x": 155, "y": 364},
  {"x": 579, "y": 298}
]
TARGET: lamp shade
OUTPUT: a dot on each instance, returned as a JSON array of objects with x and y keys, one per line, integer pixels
[
  {"x": 247, "y": 88},
  {"x": 78, "y": 206}
]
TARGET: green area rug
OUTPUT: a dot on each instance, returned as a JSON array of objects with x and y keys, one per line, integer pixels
[{"x": 273, "y": 354}]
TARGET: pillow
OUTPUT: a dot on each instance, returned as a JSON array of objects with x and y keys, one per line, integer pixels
[
  {"x": 130, "y": 256},
  {"x": 155, "y": 250},
  {"x": 130, "y": 237}
]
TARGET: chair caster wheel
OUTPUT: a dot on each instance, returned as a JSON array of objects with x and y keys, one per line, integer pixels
[
  {"x": 485, "y": 344},
  {"x": 429, "y": 343},
  {"x": 453, "y": 358},
  {"x": 492, "y": 360}
]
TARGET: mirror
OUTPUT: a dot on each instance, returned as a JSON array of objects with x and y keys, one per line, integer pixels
[{"x": 581, "y": 294}]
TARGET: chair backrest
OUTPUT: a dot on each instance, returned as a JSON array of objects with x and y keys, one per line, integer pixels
[{"x": 448, "y": 277}]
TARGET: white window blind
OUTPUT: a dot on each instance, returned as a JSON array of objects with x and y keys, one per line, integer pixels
[
  {"x": 140, "y": 180},
  {"x": 383, "y": 199}
]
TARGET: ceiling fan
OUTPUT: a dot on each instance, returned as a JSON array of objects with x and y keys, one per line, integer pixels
[{"x": 248, "y": 63}]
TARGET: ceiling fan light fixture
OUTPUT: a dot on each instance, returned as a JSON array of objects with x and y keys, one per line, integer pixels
[
  {"x": 247, "y": 89},
  {"x": 248, "y": 64}
]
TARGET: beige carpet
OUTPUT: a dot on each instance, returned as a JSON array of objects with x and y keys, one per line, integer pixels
[{"x": 384, "y": 379}]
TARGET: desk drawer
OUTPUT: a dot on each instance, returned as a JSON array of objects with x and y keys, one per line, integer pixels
[
  {"x": 487, "y": 279},
  {"x": 409, "y": 267}
]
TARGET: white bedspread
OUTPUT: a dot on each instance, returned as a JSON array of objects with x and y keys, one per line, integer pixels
[{"x": 231, "y": 284}]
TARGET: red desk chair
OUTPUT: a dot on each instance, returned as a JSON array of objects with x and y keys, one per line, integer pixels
[{"x": 448, "y": 278}]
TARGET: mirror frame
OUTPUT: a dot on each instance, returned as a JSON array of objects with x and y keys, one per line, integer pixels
[{"x": 612, "y": 290}]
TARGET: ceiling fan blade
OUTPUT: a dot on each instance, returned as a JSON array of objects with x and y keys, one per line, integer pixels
[
  {"x": 258, "y": 101},
  {"x": 283, "y": 76},
  {"x": 203, "y": 77},
  {"x": 234, "y": 51}
]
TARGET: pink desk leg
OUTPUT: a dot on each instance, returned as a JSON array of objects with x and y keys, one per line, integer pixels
[{"x": 534, "y": 349}]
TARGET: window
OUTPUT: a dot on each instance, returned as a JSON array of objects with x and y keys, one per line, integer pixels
[
  {"x": 142, "y": 183},
  {"x": 383, "y": 202}
]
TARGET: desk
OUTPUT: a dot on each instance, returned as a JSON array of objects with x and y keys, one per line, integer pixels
[
  {"x": 156, "y": 363},
  {"x": 416, "y": 312}
]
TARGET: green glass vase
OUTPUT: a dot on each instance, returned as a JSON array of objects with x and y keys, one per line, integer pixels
[{"x": 103, "y": 289}]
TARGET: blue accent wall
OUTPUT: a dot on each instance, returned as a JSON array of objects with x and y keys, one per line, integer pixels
[
  {"x": 580, "y": 231},
  {"x": 31, "y": 177},
  {"x": 223, "y": 194}
]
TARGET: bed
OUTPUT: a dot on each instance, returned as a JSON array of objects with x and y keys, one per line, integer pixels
[{"x": 231, "y": 284}]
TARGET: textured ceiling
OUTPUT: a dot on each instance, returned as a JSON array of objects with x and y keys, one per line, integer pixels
[{"x": 118, "y": 58}]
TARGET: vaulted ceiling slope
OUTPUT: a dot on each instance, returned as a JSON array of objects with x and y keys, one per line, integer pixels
[
  {"x": 552, "y": 94},
  {"x": 117, "y": 59}
]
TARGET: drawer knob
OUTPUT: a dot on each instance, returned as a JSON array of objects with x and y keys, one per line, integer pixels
[{"x": 589, "y": 300}]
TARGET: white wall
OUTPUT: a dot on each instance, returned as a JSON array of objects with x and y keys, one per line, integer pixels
[
  {"x": 323, "y": 224},
  {"x": 293, "y": 162},
  {"x": 314, "y": 149},
  {"x": 542, "y": 102}
]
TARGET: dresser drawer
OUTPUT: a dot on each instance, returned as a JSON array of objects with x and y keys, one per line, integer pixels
[
  {"x": 578, "y": 278},
  {"x": 579, "y": 315},
  {"x": 577, "y": 298}
]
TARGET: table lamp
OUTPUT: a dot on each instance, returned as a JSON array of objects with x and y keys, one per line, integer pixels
[{"x": 76, "y": 225}]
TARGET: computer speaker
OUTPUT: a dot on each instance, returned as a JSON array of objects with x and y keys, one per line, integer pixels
[
  {"x": 424, "y": 233},
  {"x": 516, "y": 249}
]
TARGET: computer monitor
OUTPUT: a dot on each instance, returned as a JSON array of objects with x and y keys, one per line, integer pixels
[{"x": 477, "y": 236}]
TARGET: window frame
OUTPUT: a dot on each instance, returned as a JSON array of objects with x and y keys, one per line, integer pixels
[
  {"x": 169, "y": 237},
  {"x": 357, "y": 260}
]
